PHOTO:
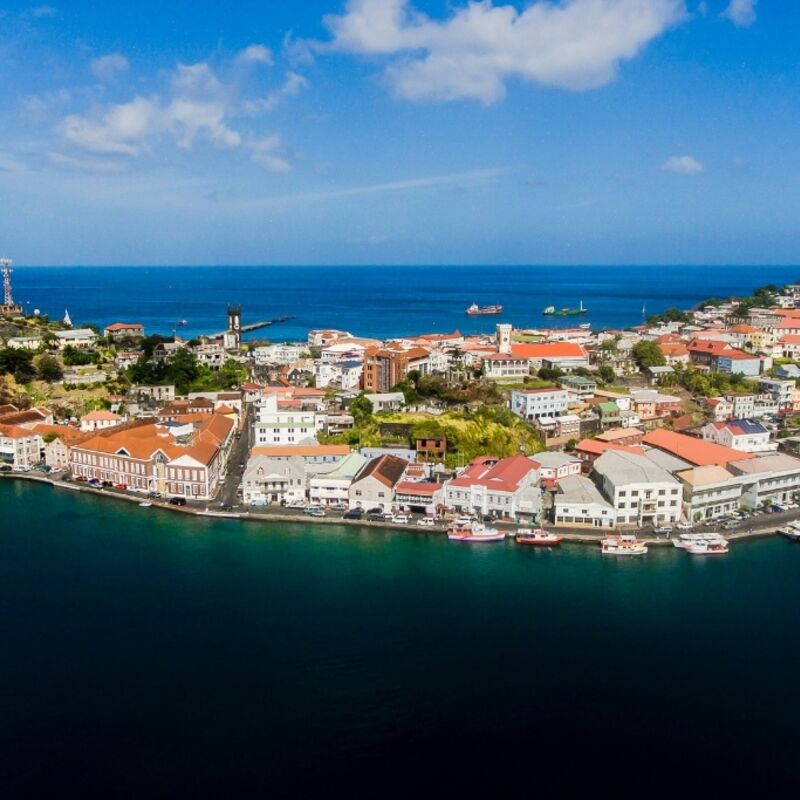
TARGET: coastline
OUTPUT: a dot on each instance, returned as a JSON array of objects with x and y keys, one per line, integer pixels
[{"x": 570, "y": 536}]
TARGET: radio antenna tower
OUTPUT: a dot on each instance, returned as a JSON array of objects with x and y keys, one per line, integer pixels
[{"x": 5, "y": 267}]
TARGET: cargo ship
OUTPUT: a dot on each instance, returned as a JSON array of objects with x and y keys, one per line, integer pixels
[
  {"x": 478, "y": 311},
  {"x": 565, "y": 312}
]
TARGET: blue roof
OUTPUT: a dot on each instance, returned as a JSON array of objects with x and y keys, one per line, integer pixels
[{"x": 748, "y": 426}]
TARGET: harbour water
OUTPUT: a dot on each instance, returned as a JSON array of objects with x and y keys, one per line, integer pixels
[
  {"x": 143, "y": 651},
  {"x": 379, "y": 301}
]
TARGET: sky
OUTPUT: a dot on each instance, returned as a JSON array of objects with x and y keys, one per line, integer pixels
[{"x": 394, "y": 132}]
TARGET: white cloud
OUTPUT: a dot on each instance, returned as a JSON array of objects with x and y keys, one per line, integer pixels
[
  {"x": 574, "y": 44},
  {"x": 266, "y": 153},
  {"x": 83, "y": 164},
  {"x": 122, "y": 130},
  {"x": 741, "y": 12},
  {"x": 683, "y": 165},
  {"x": 293, "y": 84},
  {"x": 107, "y": 67},
  {"x": 255, "y": 54}
]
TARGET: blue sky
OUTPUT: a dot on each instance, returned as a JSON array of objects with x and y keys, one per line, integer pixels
[{"x": 400, "y": 131}]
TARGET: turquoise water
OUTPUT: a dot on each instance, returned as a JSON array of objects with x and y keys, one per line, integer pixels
[{"x": 143, "y": 649}]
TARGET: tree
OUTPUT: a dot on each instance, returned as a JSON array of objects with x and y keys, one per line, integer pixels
[
  {"x": 18, "y": 363},
  {"x": 607, "y": 373},
  {"x": 49, "y": 369},
  {"x": 77, "y": 358},
  {"x": 570, "y": 445},
  {"x": 361, "y": 409},
  {"x": 647, "y": 354}
]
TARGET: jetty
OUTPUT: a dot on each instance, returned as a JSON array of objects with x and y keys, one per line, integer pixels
[{"x": 254, "y": 326}]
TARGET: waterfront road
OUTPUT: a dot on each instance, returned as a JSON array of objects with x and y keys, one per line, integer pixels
[{"x": 237, "y": 460}]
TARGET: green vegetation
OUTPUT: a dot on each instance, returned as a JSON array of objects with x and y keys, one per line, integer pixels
[
  {"x": 484, "y": 430},
  {"x": 672, "y": 314},
  {"x": 186, "y": 374},
  {"x": 647, "y": 354},
  {"x": 607, "y": 374},
  {"x": 78, "y": 358},
  {"x": 49, "y": 369},
  {"x": 18, "y": 363},
  {"x": 707, "y": 384}
]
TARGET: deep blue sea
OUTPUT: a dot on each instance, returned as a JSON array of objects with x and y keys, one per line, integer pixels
[
  {"x": 144, "y": 653},
  {"x": 374, "y": 301}
]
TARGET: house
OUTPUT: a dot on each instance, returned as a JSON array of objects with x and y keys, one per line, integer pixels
[
  {"x": 694, "y": 451},
  {"x": 578, "y": 502},
  {"x": 641, "y": 492},
  {"x": 151, "y": 457},
  {"x": 623, "y": 436},
  {"x": 740, "y": 434},
  {"x": 431, "y": 448},
  {"x": 344, "y": 374},
  {"x": 330, "y": 483},
  {"x": 20, "y": 447},
  {"x": 25, "y": 342},
  {"x": 82, "y": 338},
  {"x": 656, "y": 374},
  {"x": 709, "y": 492},
  {"x": 266, "y": 480},
  {"x": 720, "y": 356},
  {"x": 531, "y": 404},
  {"x": 179, "y": 408},
  {"x": 374, "y": 485},
  {"x": 609, "y": 414},
  {"x": 567, "y": 356},
  {"x": 554, "y": 467},
  {"x": 152, "y": 394},
  {"x": 284, "y": 426},
  {"x": 589, "y": 450},
  {"x": 57, "y": 441},
  {"x": 97, "y": 420},
  {"x": 277, "y": 354},
  {"x": 28, "y": 418},
  {"x": 501, "y": 487},
  {"x": 386, "y": 401},
  {"x": 386, "y": 367},
  {"x": 650, "y": 404},
  {"x": 578, "y": 386},
  {"x": 502, "y": 365},
  {"x": 720, "y": 408},
  {"x": 122, "y": 330},
  {"x": 420, "y": 496},
  {"x": 780, "y": 390},
  {"x": 559, "y": 430},
  {"x": 674, "y": 353}
]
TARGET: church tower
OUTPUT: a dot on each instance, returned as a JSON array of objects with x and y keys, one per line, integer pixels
[{"x": 233, "y": 336}]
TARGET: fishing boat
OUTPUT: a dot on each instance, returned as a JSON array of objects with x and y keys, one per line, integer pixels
[
  {"x": 537, "y": 537},
  {"x": 479, "y": 311},
  {"x": 701, "y": 543},
  {"x": 622, "y": 544},
  {"x": 475, "y": 534},
  {"x": 182, "y": 323},
  {"x": 552, "y": 311},
  {"x": 145, "y": 504}
]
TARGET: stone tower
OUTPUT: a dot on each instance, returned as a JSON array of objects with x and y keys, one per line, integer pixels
[
  {"x": 503, "y": 338},
  {"x": 233, "y": 336}
]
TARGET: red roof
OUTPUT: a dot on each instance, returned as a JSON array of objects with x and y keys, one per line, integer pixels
[
  {"x": 424, "y": 489},
  {"x": 124, "y": 326},
  {"x": 548, "y": 350},
  {"x": 504, "y": 475},
  {"x": 695, "y": 451},
  {"x": 596, "y": 447}
]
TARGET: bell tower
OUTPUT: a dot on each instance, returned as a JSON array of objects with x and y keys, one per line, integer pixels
[{"x": 233, "y": 336}]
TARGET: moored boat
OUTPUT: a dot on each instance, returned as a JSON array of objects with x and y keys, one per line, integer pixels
[
  {"x": 790, "y": 532},
  {"x": 476, "y": 311},
  {"x": 145, "y": 504},
  {"x": 552, "y": 311},
  {"x": 474, "y": 534},
  {"x": 537, "y": 537},
  {"x": 701, "y": 544},
  {"x": 622, "y": 544}
]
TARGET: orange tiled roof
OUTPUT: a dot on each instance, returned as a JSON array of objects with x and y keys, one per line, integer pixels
[
  {"x": 548, "y": 350},
  {"x": 695, "y": 451}
]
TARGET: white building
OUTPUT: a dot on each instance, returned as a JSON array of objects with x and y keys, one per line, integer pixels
[
  {"x": 641, "y": 491},
  {"x": 20, "y": 447},
  {"x": 25, "y": 342},
  {"x": 344, "y": 374},
  {"x": 386, "y": 401},
  {"x": 554, "y": 466},
  {"x": 277, "y": 354},
  {"x": 530, "y": 404},
  {"x": 774, "y": 478},
  {"x": 740, "y": 434},
  {"x": 268, "y": 480},
  {"x": 331, "y": 484},
  {"x": 578, "y": 502},
  {"x": 280, "y": 426},
  {"x": 78, "y": 337},
  {"x": 709, "y": 492},
  {"x": 97, "y": 420},
  {"x": 373, "y": 486}
]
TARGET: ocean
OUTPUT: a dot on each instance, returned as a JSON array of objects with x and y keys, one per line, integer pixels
[
  {"x": 374, "y": 301},
  {"x": 149, "y": 654}
]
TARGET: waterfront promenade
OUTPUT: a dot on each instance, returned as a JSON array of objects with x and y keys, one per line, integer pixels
[{"x": 764, "y": 526}]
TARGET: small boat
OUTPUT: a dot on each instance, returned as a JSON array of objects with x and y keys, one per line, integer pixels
[
  {"x": 565, "y": 312},
  {"x": 790, "y": 532},
  {"x": 182, "y": 323},
  {"x": 477, "y": 311},
  {"x": 145, "y": 504},
  {"x": 623, "y": 544},
  {"x": 475, "y": 534},
  {"x": 707, "y": 548},
  {"x": 537, "y": 537}
]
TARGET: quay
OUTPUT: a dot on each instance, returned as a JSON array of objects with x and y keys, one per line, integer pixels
[{"x": 573, "y": 536}]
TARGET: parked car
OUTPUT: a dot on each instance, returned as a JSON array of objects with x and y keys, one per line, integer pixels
[
  {"x": 338, "y": 507},
  {"x": 314, "y": 511},
  {"x": 107, "y": 484},
  {"x": 5, "y": 468},
  {"x": 121, "y": 486},
  {"x": 154, "y": 495},
  {"x": 95, "y": 482},
  {"x": 355, "y": 513},
  {"x": 177, "y": 501},
  {"x": 82, "y": 478},
  {"x": 375, "y": 517},
  {"x": 663, "y": 530},
  {"x": 426, "y": 522},
  {"x": 684, "y": 526},
  {"x": 375, "y": 510},
  {"x": 22, "y": 468},
  {"x": 400, "y": 519}
]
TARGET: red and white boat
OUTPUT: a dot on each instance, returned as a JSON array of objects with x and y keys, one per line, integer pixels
[
  {"x": 623, "y": 544},
  {"x": 537, "y": 536},
  {"x": 474, "y": 534}
]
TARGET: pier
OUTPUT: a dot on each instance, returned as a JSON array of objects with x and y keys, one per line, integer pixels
[{"x": 254, "y": 326}]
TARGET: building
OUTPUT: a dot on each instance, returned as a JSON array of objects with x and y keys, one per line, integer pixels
[
  {"x": 423, "y": 497},
  {"x": 82, "y": 338},
  {"x": 740, "y": 434},
  {"x": 25, "y": 342},
  {"x": 559, "y": 430},
  {"x": 431, "y": 448},
  {"x": 374, "y": 485},
  {"x": 531, "y": 404},
  {"x": 277, "y": 354},
  {"x": 180, "y": 408},
  {"x": 57, "y": 440},
  {"x": 579, "y": 386},
  {"x": 386, "y": 367},
  {"x": 266, "y": 481},
  {"x": 97, "y": 420},
  {"x": 641, "y": 492},
  {"x": 312, "y": 454},
  {"x": 386, "y": 401},
  {"x": 330, "y": 485},
  {"x": 500, "y": 487},
  {"x": 578, "y": 502},
  {"x": 501, "y": 365},
  {"x": 345, "y": 375},
  {"x": 554, "y": 467},
  {"x": 589, "y": 450},
  {"x": 709, "y": 492},
  {"x": 123, "y": 330},
  {"x": 694, "y": 451},
  {"x": 623, "y": 436},
  {"x": 284, "y": 426},
  {"x": 768, "y": 479},
  {"x": 20, "y": 447},
  {"x": 185, "y": 457},
  {"x": 232, "y": 338}
]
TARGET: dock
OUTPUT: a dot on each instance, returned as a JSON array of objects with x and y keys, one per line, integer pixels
[{"x": 254, "y": 326}]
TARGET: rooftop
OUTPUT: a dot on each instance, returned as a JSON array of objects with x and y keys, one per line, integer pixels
[{"x": 695, "y": 451}]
